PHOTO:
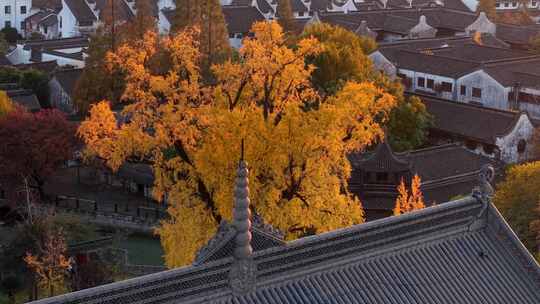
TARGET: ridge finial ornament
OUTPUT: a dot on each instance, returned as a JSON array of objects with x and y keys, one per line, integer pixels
[
  {"x": 485, "y": 191},
  {"x": 243, "y": 270}
]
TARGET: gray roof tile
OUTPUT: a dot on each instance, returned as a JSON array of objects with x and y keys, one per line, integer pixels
[{"x": 458, "y": 252}]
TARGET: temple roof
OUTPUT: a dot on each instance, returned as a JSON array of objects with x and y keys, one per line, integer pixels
[
  {"x": 222, "y": 244},
  {"x": 383, "y": 159},
  {"x": 459, "y": 252}
]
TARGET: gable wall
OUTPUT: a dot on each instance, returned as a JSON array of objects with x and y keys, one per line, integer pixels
[
  {"x": 382, "y": 64},
  {"x": 68, "y": 22},
  {"x": 494, "y": 95},
  {"x": 508, "y": 145}
]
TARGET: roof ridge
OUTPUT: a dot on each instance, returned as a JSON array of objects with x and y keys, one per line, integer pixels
[
  {"x": 432, "y": 148},
  {"x": 438, "y": 56},
  {"x": 413, "y": 41},
  {"x": 499, "y": 62},
  {"x": 463, "y": 104}
]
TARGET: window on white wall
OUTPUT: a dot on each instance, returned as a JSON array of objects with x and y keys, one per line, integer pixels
[
  {"x": 421, "y": 82},
  {"x": 446, "y": 86},
  {"x": 522, "y": 146},
  {"x": 431, "y": 84},
  {"x": 476, "y": 92},
  {"x": 7, "y": 9},
  {"x": 7, "y": 24},
  {"x": 23, "y": 9}
]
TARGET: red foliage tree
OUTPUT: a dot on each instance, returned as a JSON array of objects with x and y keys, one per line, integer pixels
[{"x": 33, "y": 146}]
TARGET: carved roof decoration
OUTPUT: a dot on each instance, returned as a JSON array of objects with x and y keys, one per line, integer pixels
[
  {"x": 383, "y": 159},
  {"x": 482, "y": 25},
  {"x": 423, "y": 29},
  {"x": 364, "y": 30},
  {"x": 245, "y": 228}
]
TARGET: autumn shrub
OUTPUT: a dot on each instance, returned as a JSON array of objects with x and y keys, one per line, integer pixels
[{"x": 517, "y": 198}]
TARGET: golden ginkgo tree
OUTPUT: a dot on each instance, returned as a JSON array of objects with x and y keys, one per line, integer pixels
[
  {"x": 409, "y": 201},
  {"x": 295, "y": 142}
]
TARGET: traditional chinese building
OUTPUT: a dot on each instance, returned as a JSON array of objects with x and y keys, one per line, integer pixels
[
  {"x": 459, "y": 252},
  {"x": 446, "y": 171}
]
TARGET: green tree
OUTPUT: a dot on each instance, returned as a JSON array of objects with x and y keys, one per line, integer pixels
[
  {"x": 38, "y": 82},
  {"x": 10, "y": 74},
  {"x": 517, "y": 199},
  {"x": 409, "y": 124},
  {"x": 96, "y": 82},
  {"x": 488, "y": 7},
  {"x": 11, "y": 34},
  {"x": 34, "y": 80},
  {"x": 285, "y": 16},
  {"x": 344, "y": 58}
]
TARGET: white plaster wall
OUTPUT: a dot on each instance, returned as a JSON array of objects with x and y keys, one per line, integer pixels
[
  {"x": 15, "y": 17},
  {"x": 19, "y": 55},
  {"x": 494, "y": 95},
  {"x": 508, "y": 145},
  {"x": 389, "y": 37},
  {"x": 437, "y": 81},
  {"x": 381, "y": 63},
  {"x": 69, "y": 23},
  {"x": 236, "y": 42},
  {"x": 62, "y": 60},
  {"x": 70, "y": 50},
  {"x": 52, "y": 31},
  {"x": 59, "y": 98},
  {"x": 164, "y": 26}
]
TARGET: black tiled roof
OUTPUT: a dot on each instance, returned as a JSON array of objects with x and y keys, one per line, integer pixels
[
  {"x": 25, "y": 98},
  {"x": 81, "y": 11},
  {"x": 412, "y": 258},
  {"x": 239, "y": 19},
  {"x": 139, "y": 173},
  {"x": 442, "y": 169},
  {"x": 46, "y": 66},
  {"x": 68, "y": 79},
  {"x": 222, "y": 244},
  {"x": 122, "y": 11},
  {"x": 434, "y": 64},
  {"x": 49, "y": 20},
  {"x": 526, "y": 72},
  {"x": 382, "y": 160},
  {"x": 469, "y": 121},
  {"x": 443, "y": 162},
  {"x": 47, "y": 4},
  {"x": 56, "y": 44},
  {"x": 456, "y": 5},
  {"x": 264, "y": 6},
  {"x": 517, "y": 34}
]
